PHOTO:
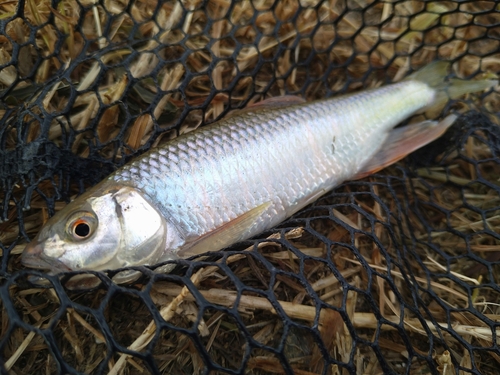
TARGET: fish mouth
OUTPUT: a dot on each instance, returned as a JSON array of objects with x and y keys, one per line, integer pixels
[{"x": 34, "y": 257}]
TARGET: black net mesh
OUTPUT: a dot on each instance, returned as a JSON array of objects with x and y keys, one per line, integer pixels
[{"x": 394, "y": 274}]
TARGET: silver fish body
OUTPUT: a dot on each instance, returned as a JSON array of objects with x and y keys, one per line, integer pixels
[
  {"x": 236, "y": 178},
  {"x": 287, "y": 156}
]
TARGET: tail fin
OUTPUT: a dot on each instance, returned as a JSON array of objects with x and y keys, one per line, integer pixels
[{"x": 434, "y": 75}]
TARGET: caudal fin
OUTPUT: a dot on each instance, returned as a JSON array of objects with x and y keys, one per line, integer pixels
[{"x": 434, "y": 75}]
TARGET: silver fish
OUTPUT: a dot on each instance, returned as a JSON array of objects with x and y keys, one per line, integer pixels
[{"x": 240, "y": 176}]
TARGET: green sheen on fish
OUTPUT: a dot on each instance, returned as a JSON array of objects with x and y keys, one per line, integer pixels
[{"x": 242, "y": 175}]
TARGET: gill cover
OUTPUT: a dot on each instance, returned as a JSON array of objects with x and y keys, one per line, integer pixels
[
  {"x": 143, "y": 229},
  {"x": 107, "y": 228}
]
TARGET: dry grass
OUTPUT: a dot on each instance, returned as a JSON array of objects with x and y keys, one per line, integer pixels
[{"x": 376, "y": 281}]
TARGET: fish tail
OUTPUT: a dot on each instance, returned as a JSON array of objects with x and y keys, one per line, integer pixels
[{"x": 435, "y": 74}]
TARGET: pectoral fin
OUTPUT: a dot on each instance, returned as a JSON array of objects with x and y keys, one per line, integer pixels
[
  {"x": 225, "y": 235},
  {"x": 403, "y": 141}
]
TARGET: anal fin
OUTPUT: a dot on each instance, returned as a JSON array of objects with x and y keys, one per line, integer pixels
[
  {"x": 403, "y": 141},
  {"x": 225, "y": 235}
]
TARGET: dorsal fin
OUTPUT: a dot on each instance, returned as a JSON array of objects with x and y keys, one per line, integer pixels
[{"x": 274, "y": 102}]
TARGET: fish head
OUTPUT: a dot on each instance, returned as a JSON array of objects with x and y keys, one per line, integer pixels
[{"x": 109, "y": 227}]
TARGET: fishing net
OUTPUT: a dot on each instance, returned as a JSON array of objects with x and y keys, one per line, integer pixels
[{"x": 393, "y": 274}]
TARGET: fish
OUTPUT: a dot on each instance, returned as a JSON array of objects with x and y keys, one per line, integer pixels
[{"x": 240, "y": 176}]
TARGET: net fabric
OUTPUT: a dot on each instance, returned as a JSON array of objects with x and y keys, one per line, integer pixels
[{"x": 392, "y": 274}]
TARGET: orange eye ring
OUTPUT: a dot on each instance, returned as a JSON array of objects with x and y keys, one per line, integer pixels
[
  {"x": 81, "y": 225},
  {"x": 81, "y": 229}
]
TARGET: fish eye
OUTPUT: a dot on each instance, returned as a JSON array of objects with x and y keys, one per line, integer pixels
[
  {"x": 81, "y": 229},
  {"x": 81, "y": 226}
]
